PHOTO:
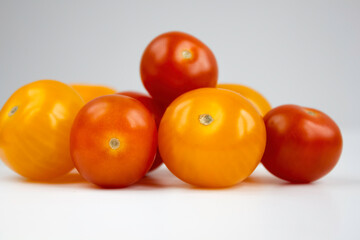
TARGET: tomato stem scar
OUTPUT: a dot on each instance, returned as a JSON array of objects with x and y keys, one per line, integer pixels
[
  {"x": 114, "y": 143},
  {"x": 13, "y": 111},
  {"x": 205, "y": 119},
  {"x": 186, "y": 54},
  {"x": 310, "y": 112}
]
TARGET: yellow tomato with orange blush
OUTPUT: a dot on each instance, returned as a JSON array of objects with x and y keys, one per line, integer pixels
[
  {"x": 35, "y": 126},
  {"x": 211, "y": 137},
  {"x": 90, "y": 92},
  {"x": 256, "y": 98}
]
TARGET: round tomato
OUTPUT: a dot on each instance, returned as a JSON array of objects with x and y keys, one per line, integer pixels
[
  {"x": 35, "y": 126},
  {"x": 303, "y": 144},
  {"x": 113, "y": 141},
  {"x": 258, "y": 100},
  {"x": 174, "y": 63},
  {"x": 157, "y": 113},
  {"x": 211, "y": 137},
  {"x": 90, "y": 92}
]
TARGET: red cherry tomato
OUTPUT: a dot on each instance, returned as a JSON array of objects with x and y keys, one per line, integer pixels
[
  {"x": 113, "y": 141},
  {"x": 157, "y": 113},
  {"x": 303, "y": 144},
  {"x": 174, "y": 63}
]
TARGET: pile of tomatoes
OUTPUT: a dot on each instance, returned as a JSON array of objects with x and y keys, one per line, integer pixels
[{"x": 207, "y": 134}]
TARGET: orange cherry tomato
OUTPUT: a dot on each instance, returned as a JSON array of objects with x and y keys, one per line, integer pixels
[
  {"x": 157, "y": 113},
  {"x": 258, "y": 100},
  {"x": 90, "y": 92},
  {"x": 35, "y": 126},
  {"x": 113, "y": 141},
  {"x": 211, "y": 137}
]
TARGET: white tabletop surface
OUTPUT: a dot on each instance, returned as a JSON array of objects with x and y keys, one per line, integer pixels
[{"x": 162, "y": 207}]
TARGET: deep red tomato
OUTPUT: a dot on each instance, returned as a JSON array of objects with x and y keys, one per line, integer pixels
[
  {"x": 155, "y": 110},
  {"x": 113, "y": 141},
  {"x": 303, "y": 144},
  {"x": 174, "y": 63}
]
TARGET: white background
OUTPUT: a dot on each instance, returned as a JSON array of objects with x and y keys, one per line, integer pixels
[{"x": 301, "y": 52}]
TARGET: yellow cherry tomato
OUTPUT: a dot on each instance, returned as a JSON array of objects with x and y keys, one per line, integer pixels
[
  {"x": 35, "y": 126},
  {"x": 90, "y": 92},
  {"x": 259, "y": 101},
  {"x": 211, "y": 137}
]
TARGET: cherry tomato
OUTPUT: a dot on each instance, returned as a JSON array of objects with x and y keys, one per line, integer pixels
[
  {"x": 258, "y": 100},
  {"x": 157, "y": 113},
  {"x": 303, "y": 144},
  {"x": 211, "y": 137},
  {"x": 174, "y": 63},
  {"x": 113, "y": 141},
  {"x": 35, "y": 128},
  {"x": 90, "y": 92}
]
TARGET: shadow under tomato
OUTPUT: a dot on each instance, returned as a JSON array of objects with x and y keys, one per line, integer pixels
[
  {"x": 151, "y": 182},
  {"x": 266, "y": 180},
  {"x": 163, "y": 178},
  {"x": 263, "y": 180},
  {"x": 145, "y": 184},
  {"x": 70, "y": 178},
  {"x": 160, "y": 180}
]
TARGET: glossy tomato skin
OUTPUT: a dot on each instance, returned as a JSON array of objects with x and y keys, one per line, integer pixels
[
  {"x": 211, "y": 138},
  {"x": 90, "y": 92},
  {"x": 148, "y": 102},
  {"x": 253, "y": 96},
  {"x": 155, "y": 110},
  {"x": 303, "y": 144},
  {"x": 174, "y": 63},
  {"x": 35, "y": 126},
  {"x": 113, "y": 141}
]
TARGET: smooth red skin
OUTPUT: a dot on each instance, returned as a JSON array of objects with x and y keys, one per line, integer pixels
[
  {"x": 166, "y": 75},
  {"x": 99, "y": 121},
  {"x": 157, "y": 113},
  {"x": 301, "y": 147}
]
